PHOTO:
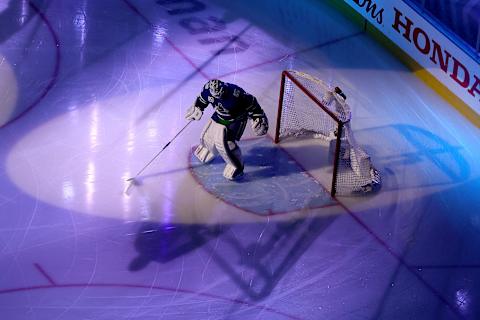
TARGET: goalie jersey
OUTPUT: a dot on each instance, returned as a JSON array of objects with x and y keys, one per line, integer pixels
[{"x": 234, "y": 104}]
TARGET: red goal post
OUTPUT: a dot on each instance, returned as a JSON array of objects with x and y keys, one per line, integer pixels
[{"x": 301, "y": 111}]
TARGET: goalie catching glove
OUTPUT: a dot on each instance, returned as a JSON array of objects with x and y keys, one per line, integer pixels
[
  {"x": 260, "y": 125},
  {"x": 194, "y": 113}
]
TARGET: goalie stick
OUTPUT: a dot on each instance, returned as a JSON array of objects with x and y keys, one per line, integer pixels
[{"x": 133, "y": 181}]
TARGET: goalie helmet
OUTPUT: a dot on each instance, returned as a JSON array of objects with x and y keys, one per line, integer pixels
[{"x": 216, "y": 88}]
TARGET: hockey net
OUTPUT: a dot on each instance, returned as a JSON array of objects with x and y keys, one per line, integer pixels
[{"x": 310, "y": 108}]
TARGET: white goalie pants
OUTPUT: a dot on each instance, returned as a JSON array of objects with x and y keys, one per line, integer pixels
[{"x": 214, "y": 140}]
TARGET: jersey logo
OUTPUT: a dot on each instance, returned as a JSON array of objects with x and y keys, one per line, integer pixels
[
  {"x": 221, "y": 110},
  {"x": 236, "y": 93},
  {"x": 211, "y": 100}
]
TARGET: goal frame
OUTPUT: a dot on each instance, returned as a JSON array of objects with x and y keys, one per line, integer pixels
[{"x": 286, "y": 74}]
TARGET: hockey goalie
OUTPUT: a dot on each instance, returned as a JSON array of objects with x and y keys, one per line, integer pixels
[
  {"x": 233, "y": 108},
  {"x": 367, "y": 178}
]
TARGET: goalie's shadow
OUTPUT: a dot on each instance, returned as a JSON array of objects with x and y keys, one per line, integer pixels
[
  {"x": 255, "y": 256},
  {"x": 157, "y": 242},
  {"x": 259, "y": 255}
]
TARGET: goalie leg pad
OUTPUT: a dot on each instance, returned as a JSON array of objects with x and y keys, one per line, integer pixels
[
  {"x": 234, "y": 168},
  {"x": 203, "y": 154},
  {"x": 207, "y": 150},
  {"x": 231, "y": 154},
  {"x": 232, "y": 173}
]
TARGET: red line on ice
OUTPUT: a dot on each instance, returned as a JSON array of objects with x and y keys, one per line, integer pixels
[
  {"x": 170, "y": 42},
  {"x": 290, "y": 54},
  {"x": 150, "y": 287}
]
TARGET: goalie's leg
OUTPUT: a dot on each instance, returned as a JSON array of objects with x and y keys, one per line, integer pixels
[
  {"x": 206, "y": 151},
  {"x": 231, "y": 154},
  {"x": 233, "y": 158}
]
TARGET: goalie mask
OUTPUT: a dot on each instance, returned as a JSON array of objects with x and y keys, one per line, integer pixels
[{"x": 216, "y": 88}]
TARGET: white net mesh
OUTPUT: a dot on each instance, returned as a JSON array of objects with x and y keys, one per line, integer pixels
[
  {"x": 300, "y": 114},
  {"x": 311, "y": 108}
]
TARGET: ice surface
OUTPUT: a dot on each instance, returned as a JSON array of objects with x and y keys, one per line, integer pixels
[{"x": 91, "y": 90}]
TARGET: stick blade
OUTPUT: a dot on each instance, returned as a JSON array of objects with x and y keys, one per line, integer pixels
[
  {"x": 131, "y": 182},
  {"x": 128, "y": 188}
]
